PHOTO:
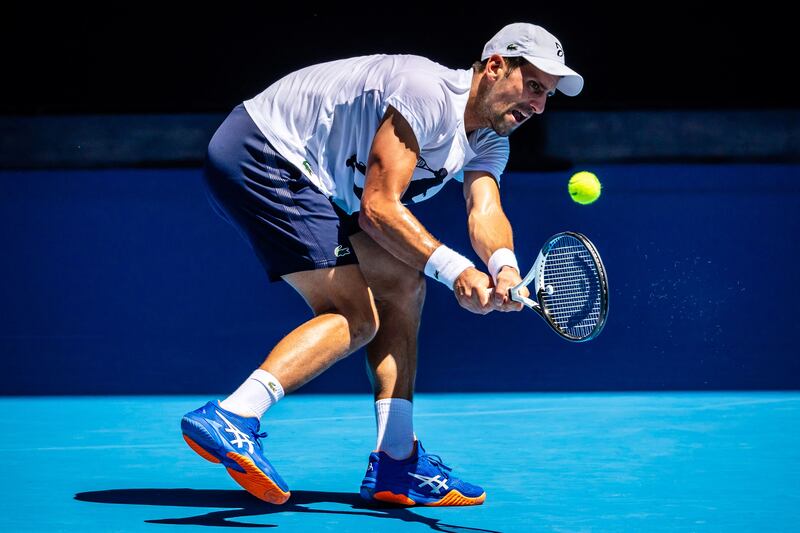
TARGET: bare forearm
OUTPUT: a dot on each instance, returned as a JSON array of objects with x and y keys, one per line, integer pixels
[
  {"x": 488, "y": 231},
  {"x": 393, "y": 227}
]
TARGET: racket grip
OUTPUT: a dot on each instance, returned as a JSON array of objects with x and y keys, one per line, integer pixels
[{"x": 513, "y": 294}]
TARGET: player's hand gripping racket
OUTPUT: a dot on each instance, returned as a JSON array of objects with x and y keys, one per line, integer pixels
[{"x": 571, "y": 288}]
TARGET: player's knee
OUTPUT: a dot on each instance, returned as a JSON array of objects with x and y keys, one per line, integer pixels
[
  {"x": 364, "y": 328},
  {"x": 361, "y": 316},
  {"x": 362, "y": 321}
]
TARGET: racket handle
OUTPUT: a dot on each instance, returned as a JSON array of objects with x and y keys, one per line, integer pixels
[{"x": 513, "y": 294}]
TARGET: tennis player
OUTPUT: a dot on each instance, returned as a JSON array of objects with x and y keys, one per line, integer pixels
[{"x": 315, "y": 173}]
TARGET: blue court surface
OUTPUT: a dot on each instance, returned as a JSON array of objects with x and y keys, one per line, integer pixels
[{"x": 549, "y": 462}]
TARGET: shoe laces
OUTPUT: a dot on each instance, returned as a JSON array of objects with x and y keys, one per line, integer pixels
[
  {"x": 258, "y": 436},
  {"x": 437, "y": 462}
]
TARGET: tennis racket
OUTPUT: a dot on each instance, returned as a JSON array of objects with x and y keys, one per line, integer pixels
[{"x": 571, "y": 288}]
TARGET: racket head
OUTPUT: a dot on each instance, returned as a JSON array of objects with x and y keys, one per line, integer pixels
[{"x": 571, "y": 286}]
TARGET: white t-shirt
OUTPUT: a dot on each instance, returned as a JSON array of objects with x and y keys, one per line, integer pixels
[{"x": 323, "y": 119}]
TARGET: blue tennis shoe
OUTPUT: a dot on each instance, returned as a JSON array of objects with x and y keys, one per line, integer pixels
[
  {"x": 421, "y": 479},
  {"x": 224, "y": 437}
]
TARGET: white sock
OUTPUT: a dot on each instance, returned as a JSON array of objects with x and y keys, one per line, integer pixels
[
  {"x": 395, "y": 427},
  {"x": 258, "y": 393}
]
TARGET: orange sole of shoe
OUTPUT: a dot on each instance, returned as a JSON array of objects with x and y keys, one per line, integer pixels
[
  {"x": 200, "y": 451},
  {"x": 454, "y": 498},
  {"x": 254, "y": 481}
]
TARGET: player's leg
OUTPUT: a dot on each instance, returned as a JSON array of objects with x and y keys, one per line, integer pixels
[
  {"x": 399, "y": 293},
  {"x": 400, "y": 471},
  {"x": 294, "y": 230},
  {"x": 345, "y": 319},
  {"x": 228, "y": 432}
]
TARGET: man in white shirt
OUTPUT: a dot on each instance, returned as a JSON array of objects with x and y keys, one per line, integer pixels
[{"x": 316, "y": 173}]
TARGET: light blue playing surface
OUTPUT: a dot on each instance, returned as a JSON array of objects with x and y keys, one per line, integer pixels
[{"x": 549, "y": 462}]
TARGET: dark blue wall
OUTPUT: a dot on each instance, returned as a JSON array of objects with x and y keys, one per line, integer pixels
[{"x": 125, "y": 281}]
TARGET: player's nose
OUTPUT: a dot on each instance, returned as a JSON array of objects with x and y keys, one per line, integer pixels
[{"x": 537, "y": 104}]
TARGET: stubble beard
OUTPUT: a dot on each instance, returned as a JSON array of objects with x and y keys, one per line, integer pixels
[
  {"x": 496, "y": 119},
  {"x": 500, "y": 123}
]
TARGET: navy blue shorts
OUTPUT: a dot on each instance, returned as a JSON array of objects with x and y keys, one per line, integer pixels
[{"x": 290, "y": 224}]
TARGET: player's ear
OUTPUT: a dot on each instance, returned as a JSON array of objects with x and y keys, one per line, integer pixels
[{"x": 495, "y": 67}]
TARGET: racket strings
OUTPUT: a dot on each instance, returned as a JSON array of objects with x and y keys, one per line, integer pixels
[{"x": 572, "y": 287}]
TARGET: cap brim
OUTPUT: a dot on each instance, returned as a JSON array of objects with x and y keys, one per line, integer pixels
[{"x": 571, "y": 83}]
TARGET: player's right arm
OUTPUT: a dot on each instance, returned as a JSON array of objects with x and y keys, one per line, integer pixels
[{"x": 391, "y": 163}]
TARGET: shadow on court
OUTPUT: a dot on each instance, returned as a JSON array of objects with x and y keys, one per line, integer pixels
[{"x": 242, "y": 504}]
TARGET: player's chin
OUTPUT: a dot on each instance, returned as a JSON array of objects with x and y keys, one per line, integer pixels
[{"x": 505, "y": 126}]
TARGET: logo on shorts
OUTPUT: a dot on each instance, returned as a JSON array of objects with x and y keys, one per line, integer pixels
[{"x": 341, "y": 251}]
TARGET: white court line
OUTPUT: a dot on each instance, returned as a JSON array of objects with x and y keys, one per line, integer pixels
[{"x": 455, "y": 414}]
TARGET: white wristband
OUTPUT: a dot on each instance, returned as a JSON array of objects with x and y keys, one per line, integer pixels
[
  {"x": 446, "y": 265},
  {"x": 500, "y": 258}
]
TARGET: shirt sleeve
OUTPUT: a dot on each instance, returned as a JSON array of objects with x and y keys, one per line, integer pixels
[
  {"x": 422, "y": 102},
  {"x": 491, "y": 153}
]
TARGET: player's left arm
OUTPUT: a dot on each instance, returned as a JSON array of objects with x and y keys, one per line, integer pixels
[{"x": 489, "y": 231}]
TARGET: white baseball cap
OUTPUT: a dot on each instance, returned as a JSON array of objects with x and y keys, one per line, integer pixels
[{"x": 540, "y": 48}]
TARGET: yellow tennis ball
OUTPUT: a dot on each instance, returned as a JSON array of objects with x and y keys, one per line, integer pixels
[{"x": 584, "y": 187}]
